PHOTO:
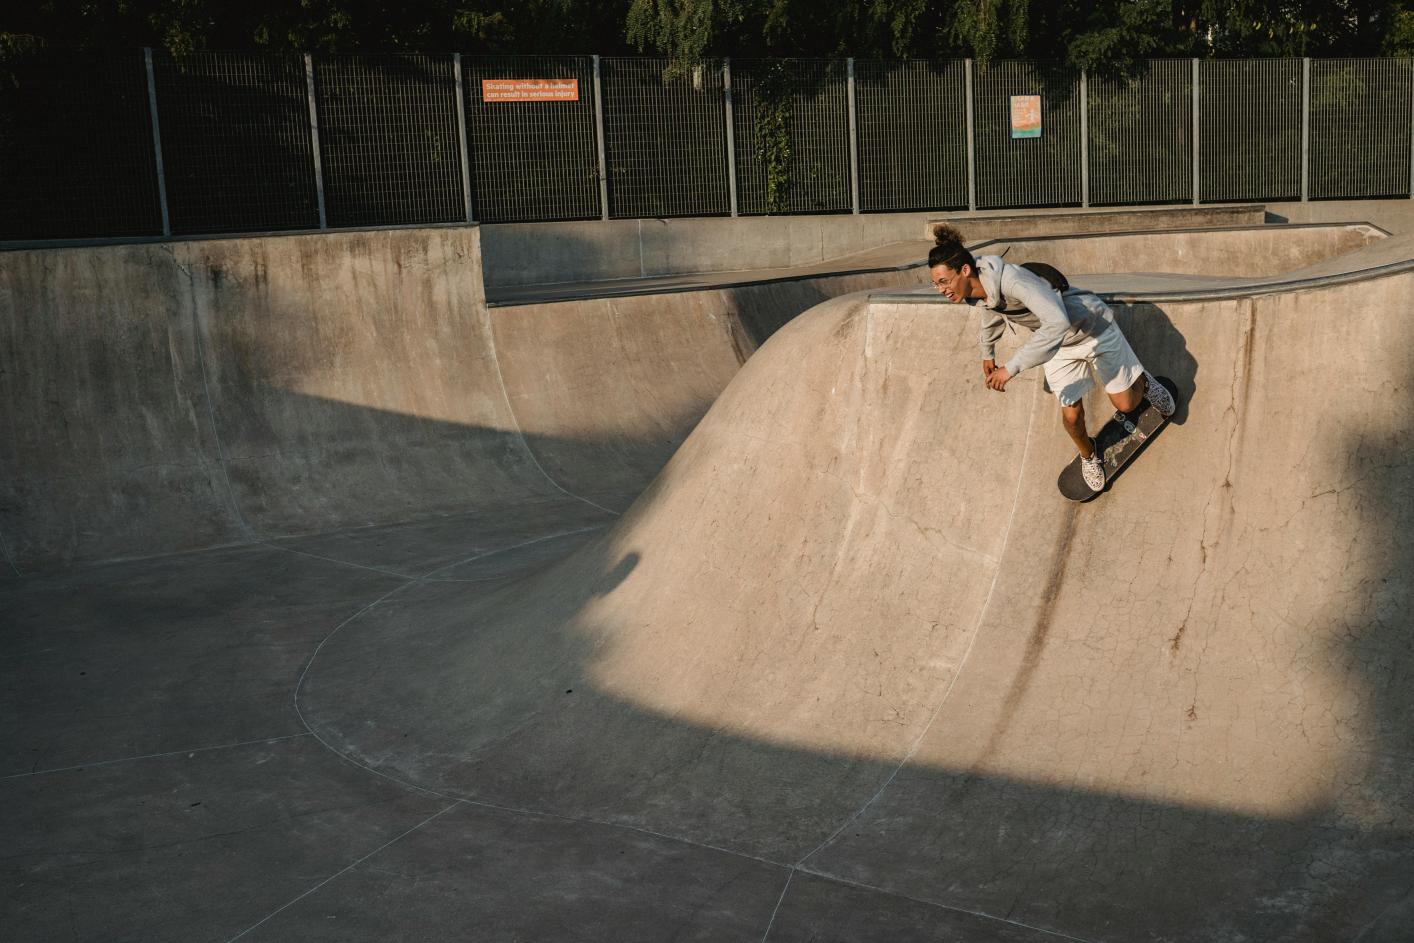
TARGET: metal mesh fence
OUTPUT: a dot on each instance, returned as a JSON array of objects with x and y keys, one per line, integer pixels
[
  {"x": 1019, "y": 171},
  {"x": 665, "y": 134},
  {"x": 1250, "y": 112},
  {"x": 235, "y": 143},
  {"x": 389, "y": 140},
  {"x": 531, "y": 160},
  {"x": 912, "y": 119},
  {"x": 1141, "y": 136},
  {"x": 76, "y": 152},
  {"x": 77, "y": 158},
  {"x": 791, "y": 121},
  {"x": 1360, "y": 127}
]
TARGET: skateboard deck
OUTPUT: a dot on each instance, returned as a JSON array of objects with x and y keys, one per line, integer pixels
[{"x": 1122, "y": 438}]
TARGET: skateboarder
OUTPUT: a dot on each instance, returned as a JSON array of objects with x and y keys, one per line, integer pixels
[{"x": 1075, "y": 336}]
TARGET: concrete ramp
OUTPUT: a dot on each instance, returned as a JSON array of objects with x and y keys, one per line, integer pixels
[
  {"x": 845, "y": 668},
  {"x": 853, "y": 629}
]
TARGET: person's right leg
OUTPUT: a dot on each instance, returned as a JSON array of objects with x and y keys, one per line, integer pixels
[{"x": 1073, "y": 418}]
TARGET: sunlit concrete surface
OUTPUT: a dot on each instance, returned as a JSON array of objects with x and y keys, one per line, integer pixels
[{"x": 676, "y": 615}]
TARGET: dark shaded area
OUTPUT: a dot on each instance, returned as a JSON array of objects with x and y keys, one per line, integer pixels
[
  {"x": 1141, "y": 136},
  {"x": 238, "y": 154},
  {"x": 388, "y": 140},
  {"x": 791, "y": 121},
  {"x": 1027, "y": 172},
  {"x": 236, "y": 143},
  {"x": 665, "y": 127},
  {"x": 1360, "y": 127},
  {"x": 532, "y": 161},
  {"x": 1250, "y": 138},
  {"x": 912, "y": 135},
  {"x": 76, "y": 151}
]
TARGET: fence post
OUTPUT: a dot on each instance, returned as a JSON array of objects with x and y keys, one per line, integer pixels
[
  {"x": 1411, "y": 134},
  {"x": 314, "y": 139},
  {"x": 971, "y": 142},
  {"x": 461, "y": 136},
  {"x": 731, "y": 133},
  {"x": 599, "y": 143},
  {"x": 1197, "y": 143},
  {"x": 1084, "y": 141},
  {"x": 1305, "y": 129},
  {"x": 157, "y": 141},
  {"x": 853, "y": 143}
]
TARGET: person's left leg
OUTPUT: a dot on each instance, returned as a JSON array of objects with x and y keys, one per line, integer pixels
[
  {"x": 1128, "y": 400},
  {"x": 1124, "y": 377}
]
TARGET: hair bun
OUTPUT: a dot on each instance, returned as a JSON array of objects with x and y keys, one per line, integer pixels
[{"x": 946, "y": 234}]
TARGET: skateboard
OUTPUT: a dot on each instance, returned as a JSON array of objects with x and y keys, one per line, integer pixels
[{"x": 1122, "y": 438}]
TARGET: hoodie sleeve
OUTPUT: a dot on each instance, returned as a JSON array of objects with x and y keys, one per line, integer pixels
[
  {"x": 991, "y": 332},
  {"x": 1025, "y": 288}
]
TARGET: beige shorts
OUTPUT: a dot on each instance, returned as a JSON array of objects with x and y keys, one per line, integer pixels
[{"x": 1070, "y": 372}]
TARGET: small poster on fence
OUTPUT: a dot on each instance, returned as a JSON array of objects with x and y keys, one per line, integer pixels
[
  {"x": 1026, "y": 116},
  {"x": 530, "y": 90}
]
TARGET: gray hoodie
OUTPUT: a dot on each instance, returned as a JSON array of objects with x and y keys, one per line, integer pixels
[{"x": 1019, "y": 296}]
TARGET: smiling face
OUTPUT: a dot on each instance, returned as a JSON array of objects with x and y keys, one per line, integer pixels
[{"x": 954, "y": 284}]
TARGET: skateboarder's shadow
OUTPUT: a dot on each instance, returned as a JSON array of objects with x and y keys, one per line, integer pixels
[{"x": 1161, "y": 348}]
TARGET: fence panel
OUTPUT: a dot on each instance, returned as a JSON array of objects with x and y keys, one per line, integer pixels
[
  {"x": 1360, "y": 116},
  {"x": 76, "y": 154},
  {"x": 1027, "y": 171},
  {"x": 388, "y": 139},
  {"x": 1141, "y": 136},
  {"x": 792, "y": 135},
  {"x": 1251, "y": 129},
  {"x": 235, "y": 142},
  {"x": 665, "y": 133},
  {"x": 532, "y": 161},
  {"x": 912, "y": 134}
]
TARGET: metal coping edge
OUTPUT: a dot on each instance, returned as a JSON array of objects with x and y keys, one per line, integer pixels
[{"x": 1205, "y": 294}]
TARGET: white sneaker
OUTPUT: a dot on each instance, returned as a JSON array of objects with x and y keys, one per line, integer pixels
[
  {"x": 1159, "y": 395},
  {"x": 1092, "y": 469}
]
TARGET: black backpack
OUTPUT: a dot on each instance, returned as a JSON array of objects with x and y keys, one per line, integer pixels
[{"x": 1050, "y": 273}]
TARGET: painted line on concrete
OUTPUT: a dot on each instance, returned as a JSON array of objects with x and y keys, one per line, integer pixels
[
  {"x": 343, "y": 871},
  {"x": 481, "y": 803},
  {"x": 274, "y": 544},
  {"x": 790, "y": 876},
  {"x": 154, "y": 756},
  {"x": 433, "y": 578},
  {"x": 941, "y": 906}
]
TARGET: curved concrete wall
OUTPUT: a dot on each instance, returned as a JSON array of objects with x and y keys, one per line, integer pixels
[
  {"x": 1123, "y": 720},
  {"x": 162, "y": 398}
]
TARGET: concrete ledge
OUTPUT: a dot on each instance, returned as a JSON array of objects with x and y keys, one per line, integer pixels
[
  {"x": 596, "y": 250},
  {"x": 977, "y": 226}
]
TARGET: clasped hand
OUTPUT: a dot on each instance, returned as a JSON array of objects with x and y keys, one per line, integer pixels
[{"x": 997, "y": 377}]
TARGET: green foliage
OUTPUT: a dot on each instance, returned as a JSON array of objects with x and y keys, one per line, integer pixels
[
  {"x": 1107, "y": 36},
  {"x": 775, "y": 107}
]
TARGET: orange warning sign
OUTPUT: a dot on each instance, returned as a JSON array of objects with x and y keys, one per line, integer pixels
[{"x": 530, "y": 90}]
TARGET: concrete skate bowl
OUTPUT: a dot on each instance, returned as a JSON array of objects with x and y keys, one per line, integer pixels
[
  {"x": 170, "y": 398},
  {"x": 852, "y": 635}
]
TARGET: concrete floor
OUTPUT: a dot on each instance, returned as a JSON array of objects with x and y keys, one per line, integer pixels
[{"x": 846, "y": 669}]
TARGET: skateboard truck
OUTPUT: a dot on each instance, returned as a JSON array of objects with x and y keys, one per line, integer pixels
[{"x": 1129, "y": 427}]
